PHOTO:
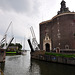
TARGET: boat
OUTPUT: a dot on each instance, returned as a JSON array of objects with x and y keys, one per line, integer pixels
[{"x": 24, "y": 52}]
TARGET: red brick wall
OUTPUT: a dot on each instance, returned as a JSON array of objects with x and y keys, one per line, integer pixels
[{"x": 66, "y": 28}]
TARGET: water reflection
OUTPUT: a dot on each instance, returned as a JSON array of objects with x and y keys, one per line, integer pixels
[
  {"x": 47, "y": 68},
  {"x": 23, "y": 65},
  {"x": 17, "y": 65},
  {"x": 34, "y": 68}
]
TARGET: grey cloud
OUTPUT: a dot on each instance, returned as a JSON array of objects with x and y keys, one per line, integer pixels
[
  {"x": 36, "y": 5},
  {"x": 19, "y": 5}
]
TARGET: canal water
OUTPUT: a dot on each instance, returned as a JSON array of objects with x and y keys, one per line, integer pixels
[{"x": 23, "y": 65}]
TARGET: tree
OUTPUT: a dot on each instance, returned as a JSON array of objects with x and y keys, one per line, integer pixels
[
  {"x": 19, "y": 46},
  {"x": 12, "y": 44}
]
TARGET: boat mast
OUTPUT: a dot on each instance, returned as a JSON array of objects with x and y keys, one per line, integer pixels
[{"x": 24, "y": 43}]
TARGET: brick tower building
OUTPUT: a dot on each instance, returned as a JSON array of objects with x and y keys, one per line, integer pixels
[{"x": 59, "y": 32}]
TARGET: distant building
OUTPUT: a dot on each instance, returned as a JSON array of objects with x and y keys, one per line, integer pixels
[
  {"x": 12, "y": 48},
  {"x": 59, "y": 32}
]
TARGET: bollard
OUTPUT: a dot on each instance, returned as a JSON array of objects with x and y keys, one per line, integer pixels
[{"x": 1, "y": 72}]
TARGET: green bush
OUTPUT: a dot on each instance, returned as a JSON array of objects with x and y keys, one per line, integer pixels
[{"x": 61, "y": 55}]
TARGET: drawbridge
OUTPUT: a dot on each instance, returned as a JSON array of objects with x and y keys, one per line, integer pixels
[
  {"x": 34, "y": 45},
  {"x": 4, "y": 45}
]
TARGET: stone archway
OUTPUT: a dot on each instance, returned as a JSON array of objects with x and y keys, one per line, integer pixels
[{"x": 47, "y": 46}]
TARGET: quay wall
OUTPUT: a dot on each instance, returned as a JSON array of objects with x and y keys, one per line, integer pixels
[{"x": 52, "y": 58}]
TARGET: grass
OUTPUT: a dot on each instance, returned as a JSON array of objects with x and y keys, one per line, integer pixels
[
  {"x": 10, "y": 52},
  {"x": 61, "y": 55}
]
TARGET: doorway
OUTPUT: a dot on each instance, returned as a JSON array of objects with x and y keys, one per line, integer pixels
[{"x": 47, "y": 46}]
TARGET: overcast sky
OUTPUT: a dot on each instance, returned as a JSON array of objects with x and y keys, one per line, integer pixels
[{"x": 27, "y": 13}]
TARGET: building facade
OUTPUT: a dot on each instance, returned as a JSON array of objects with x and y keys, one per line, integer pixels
[
  {"x": 12, "y": 48},
  {"x": 59, "y": 32}
]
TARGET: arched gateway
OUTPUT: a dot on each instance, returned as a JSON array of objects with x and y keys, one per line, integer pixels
[
  {"x": 47, "y": 43},
  {"x": 47, "y": 46}
]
